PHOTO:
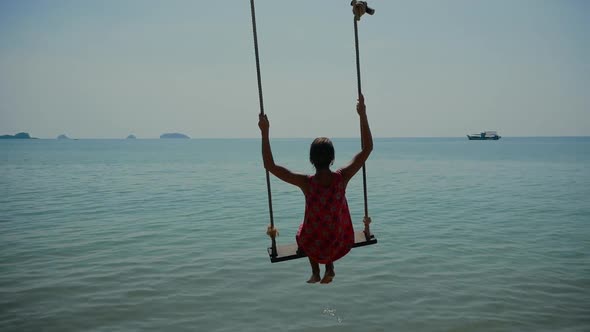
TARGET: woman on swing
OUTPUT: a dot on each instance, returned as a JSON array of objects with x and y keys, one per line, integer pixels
[{"x": 326, "y": 233}]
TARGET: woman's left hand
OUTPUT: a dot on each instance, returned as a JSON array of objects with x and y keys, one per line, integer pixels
[{"x": 263, "y": 123}]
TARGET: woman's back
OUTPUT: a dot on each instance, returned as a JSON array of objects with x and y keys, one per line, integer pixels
[{"x": 326, "y": 233}]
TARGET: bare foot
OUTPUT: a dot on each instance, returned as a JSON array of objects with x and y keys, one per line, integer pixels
[
  {"x": 314, "y": 278},
  {"x": 328, "y": 277}
]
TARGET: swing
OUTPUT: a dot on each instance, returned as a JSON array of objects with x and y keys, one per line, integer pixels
[{"x": 361, "y": 238}]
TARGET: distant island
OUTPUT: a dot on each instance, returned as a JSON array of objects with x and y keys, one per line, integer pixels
[
  {"x": 173, "y": 135},
  {"x": 62, "y": 136},
  {"x": 17, "y": 136},
  {"x": 131, "y": 137}
]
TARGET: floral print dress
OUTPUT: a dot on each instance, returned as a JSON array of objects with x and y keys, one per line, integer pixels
[{"x": 326, "y": 233}]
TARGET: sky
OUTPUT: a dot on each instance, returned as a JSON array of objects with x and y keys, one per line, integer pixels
[{"x": 430, "y": 68}]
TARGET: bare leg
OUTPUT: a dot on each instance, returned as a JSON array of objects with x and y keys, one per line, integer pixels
[
  {"x": 315, "y": 272},
  {"x": 329, "y": 274}
]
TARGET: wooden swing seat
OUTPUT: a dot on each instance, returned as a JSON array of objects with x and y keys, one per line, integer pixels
[{"x": 291, "y": 251}]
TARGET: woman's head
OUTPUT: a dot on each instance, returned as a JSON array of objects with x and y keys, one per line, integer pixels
[{"x": 321, "y": 153}]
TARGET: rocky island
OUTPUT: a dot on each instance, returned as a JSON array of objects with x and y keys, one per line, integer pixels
[
  {"x": 17, "y": 136},
  {"x": 173, "y": 135},
  {"x": 131, "y": 137},
  {"x": 63, "y": 136}
]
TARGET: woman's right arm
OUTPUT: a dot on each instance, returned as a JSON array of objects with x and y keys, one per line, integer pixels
[{"x": 366, "y": 142}]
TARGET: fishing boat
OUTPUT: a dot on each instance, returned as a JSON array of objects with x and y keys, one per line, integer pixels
[{"x": 486, "y": 135}]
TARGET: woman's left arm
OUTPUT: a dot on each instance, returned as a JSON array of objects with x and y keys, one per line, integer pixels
[{"x": 281, "y": 172}]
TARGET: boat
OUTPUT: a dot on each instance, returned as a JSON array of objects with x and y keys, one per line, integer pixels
[{"x": 486, "y": 135}]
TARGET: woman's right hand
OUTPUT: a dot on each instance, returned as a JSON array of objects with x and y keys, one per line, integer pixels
[{"x": 361, "y": 109}]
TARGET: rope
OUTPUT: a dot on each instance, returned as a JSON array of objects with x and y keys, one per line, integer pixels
[
  {"x": 358, "y": 80},
  {"x": 271, "y": 229},
  {"x": 358, "y": 9},
  {"x": 272, "y": 232},
  {"x": 359, "y": 90}
]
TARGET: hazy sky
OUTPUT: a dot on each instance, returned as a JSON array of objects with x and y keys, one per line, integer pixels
[{"x": 94, "y": 69}]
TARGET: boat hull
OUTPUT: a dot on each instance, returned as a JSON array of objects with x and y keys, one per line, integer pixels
[{"x": 479, "y": 138}]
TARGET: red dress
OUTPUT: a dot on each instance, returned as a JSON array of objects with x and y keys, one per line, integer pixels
[{"x": 326, "y": 233}]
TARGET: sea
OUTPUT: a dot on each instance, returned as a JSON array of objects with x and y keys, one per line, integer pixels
[{"x": 169, "y": 235}]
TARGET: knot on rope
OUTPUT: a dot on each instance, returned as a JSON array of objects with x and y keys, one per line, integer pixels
[
  {"x": 359, "y": 8},
  {"x": 272, "y": 232},
  {"x": 367, "y": 231}
]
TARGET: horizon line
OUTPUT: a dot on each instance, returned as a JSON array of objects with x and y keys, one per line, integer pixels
[{"x": 300, "y": 137}]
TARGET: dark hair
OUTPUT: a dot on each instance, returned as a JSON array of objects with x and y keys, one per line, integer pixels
[{"x": 321, "y": 153}]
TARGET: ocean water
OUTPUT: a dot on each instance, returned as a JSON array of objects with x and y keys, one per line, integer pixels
[{"x": 169, "y": 235}]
